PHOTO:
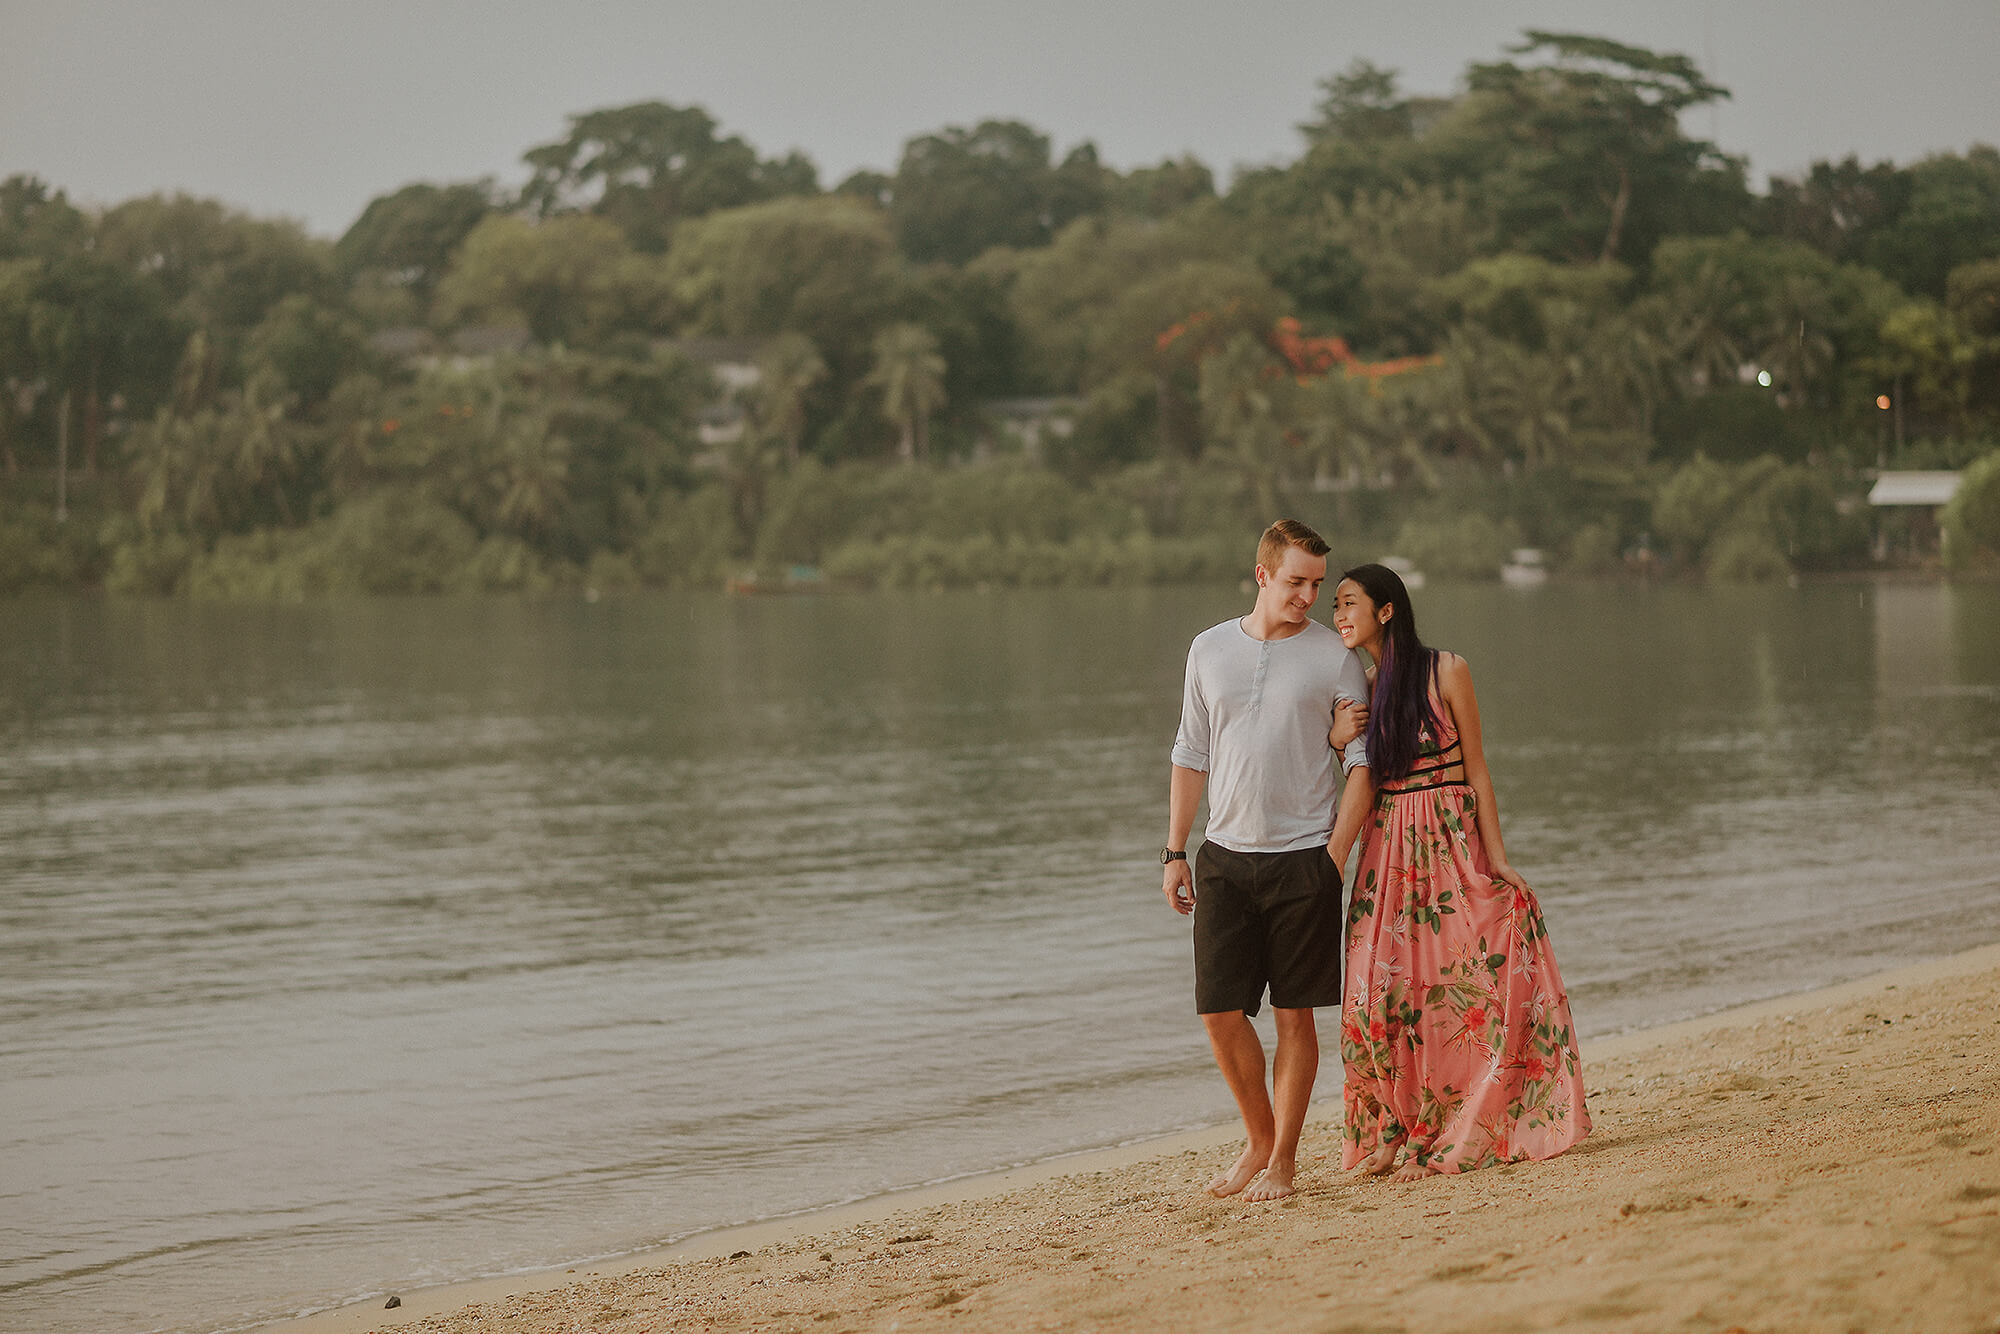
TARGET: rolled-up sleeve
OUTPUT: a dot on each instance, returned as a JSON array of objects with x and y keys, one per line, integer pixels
[
  {"x": 1352, "y": 684},
  {"x": 1191, "y": 741}
]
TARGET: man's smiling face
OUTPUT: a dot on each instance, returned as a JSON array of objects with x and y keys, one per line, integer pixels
[{"x": 1287, "y": 593}]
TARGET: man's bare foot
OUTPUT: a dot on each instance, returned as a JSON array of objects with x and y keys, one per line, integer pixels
[
  {"x": 1412, "y": 1170},
  {"x": 1382, "y": 1160},
  {"x": 1242, "y": 1174},
  {"x": 1275, "y": 1184}
]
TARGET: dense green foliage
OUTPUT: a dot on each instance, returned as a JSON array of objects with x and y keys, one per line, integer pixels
[
  {"x": 1534, "y": 312},
  {"x": 1972, "y": 519}
]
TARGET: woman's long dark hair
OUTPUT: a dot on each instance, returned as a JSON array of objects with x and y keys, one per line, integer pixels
[{"x": 1400, "y": 706}]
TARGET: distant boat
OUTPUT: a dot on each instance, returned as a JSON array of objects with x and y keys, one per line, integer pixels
[
  {"x": 1525, "y": 569},
  {"x": 1413, "y": 578},
  {"x": 798, "y": 579}
]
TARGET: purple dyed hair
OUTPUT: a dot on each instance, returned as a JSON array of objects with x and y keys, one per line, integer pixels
[{"x": 1400, "y": 706}]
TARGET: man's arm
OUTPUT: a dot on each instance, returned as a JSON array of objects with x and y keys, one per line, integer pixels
[
  {"x": 1351, "y": 684},
  {"x": 1356, "y": 796},
  {"x": 1183, "y": 799},
  {"x": 1190, "y": 758}
]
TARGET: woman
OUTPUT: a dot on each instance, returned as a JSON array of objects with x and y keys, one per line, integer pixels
[{"x": 1456, "y": 1035}]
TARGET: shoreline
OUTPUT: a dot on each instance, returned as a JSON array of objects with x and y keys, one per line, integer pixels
[
  {"x": 1913, "y": 576},
  {"x": 714, "y": 1255}
]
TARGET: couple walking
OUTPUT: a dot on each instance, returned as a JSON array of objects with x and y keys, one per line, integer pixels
[{"x": 1456, "y": 1044}]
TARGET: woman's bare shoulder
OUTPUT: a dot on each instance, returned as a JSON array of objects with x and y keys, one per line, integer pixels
[{"x": 1454, "y": 676}]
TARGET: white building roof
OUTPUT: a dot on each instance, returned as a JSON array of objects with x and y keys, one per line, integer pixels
[{"x": 1913, "y": 488}]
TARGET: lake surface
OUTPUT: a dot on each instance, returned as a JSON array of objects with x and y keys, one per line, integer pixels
[{"x": 354, "y": 947}]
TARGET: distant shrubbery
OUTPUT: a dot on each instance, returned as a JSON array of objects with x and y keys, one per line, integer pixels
[
  {"x": 1972, "y": 519},
  {"x": 662, "y": 359},
  {"x": 1466, "y": 546},
  {"x": 1757, "y": 520},
  {"x": 898, "y": 562}
]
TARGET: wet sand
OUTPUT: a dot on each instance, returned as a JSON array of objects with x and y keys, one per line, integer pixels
[{"x": 1825, "y": 1161}]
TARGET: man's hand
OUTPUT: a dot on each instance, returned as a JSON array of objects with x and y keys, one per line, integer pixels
[
  {"x": 1350, "y": 720},
  {"x": 1178, "y": 885},
  {"x": 1339, "y": 860}
]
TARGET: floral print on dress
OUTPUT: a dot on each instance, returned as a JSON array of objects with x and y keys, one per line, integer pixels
[{"x": 1456, "y": 1032}]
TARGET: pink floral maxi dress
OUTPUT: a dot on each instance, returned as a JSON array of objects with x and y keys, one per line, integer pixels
[{"x": 1456, "y": 1032}]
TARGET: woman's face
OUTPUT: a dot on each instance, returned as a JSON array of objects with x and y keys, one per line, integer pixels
[{"x": 1357, "y": 619}]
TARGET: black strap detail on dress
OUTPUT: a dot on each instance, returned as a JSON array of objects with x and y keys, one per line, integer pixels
[
  {"x": 1427, "y": 787},
  {"x": 1438, "y": 755},
  {"x": 1438, "y": 768}
]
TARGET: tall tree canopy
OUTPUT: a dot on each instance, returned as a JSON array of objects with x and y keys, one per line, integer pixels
[
  {"x": 1952, "y": 218},
  {"x": 571, "y": 280},
  {"x": 650, "y": 165},
  {"x": 217, "y": 269},
  {"x": 408, "y": 237},
  {"x": 1594, "y": 162},
  {"x": 96, "y": 328},
  {"x": 38, "y": 222},
  {"x": 821, "y": 267},
  {"x": 1838, "y": 209},
  {"x": 959, "y": 192}
]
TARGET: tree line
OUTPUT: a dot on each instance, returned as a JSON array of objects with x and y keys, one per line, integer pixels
[{"x": 1535, "y": 311}]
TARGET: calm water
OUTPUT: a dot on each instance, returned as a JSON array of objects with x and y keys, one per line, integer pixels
[{"x": 349, "y": 948}]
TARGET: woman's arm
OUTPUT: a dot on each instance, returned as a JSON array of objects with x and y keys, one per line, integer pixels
[
  {"x": 1455, "y": 685},
  {"x": 1350, "y": 720},
  {"x": 1357, "y": 799},
  {"x": 1354, "y": 722}
]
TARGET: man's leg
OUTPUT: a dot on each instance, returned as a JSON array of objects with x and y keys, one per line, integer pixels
[
  {"x": 1306, "y": 942},
  {"x": 1229, "y": 977},
  {"x": 1239, "y": 1054},
  {"x": 1293, "y": 1070}
]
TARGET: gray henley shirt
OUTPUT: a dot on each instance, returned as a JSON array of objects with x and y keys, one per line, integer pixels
[{"x": 1254, "y": 717}]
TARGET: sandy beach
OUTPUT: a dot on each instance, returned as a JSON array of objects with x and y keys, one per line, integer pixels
[{"x": 1824, "y": 1161}]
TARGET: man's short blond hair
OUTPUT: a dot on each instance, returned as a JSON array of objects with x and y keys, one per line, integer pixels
[{"x": 1287, "y": 533}]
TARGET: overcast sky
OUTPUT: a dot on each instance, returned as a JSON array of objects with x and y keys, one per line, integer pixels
[{"x": 310, "y": 110}]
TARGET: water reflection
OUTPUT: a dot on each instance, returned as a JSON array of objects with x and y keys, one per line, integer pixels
[{"x": 362, "y": 944}]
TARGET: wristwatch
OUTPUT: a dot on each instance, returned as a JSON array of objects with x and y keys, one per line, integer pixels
[{"x": 1169, "y": 855}]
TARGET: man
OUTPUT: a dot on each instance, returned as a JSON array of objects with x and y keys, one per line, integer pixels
[{"x": 1261, "y": 695}]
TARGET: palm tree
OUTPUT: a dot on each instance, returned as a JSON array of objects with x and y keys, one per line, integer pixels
[
  {"x": 265, "y": 443},
  {"x": 351, "y": 448},
  {"x": 748, "y": 463},
  {"x": 1536, "y": 405},
  {"x": 505, "y": 460},
  {"x": 184, "y": 468},
  {"x": 532, "y": 474},
  {"x": 57, "y": 332},
  {"x": 1794, "y": 349},
  {"x": 1627, "y": 370},
  {"x": 1452, "y": 407},
  {"x": 1344, "y": 427},
  {"x": 910, "y": 373},
  {"x": 1418, "y": 415},
  {"x": 1245, "y": 407},
  {"x": 1702, "y": 318},
  {"x": 787, "y": 369}
]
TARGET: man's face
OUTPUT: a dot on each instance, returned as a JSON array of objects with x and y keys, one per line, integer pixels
[{"x": 1289, "y": 591}]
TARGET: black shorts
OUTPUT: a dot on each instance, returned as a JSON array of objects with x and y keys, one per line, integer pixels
[{"x": 1266, "y": 919}]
